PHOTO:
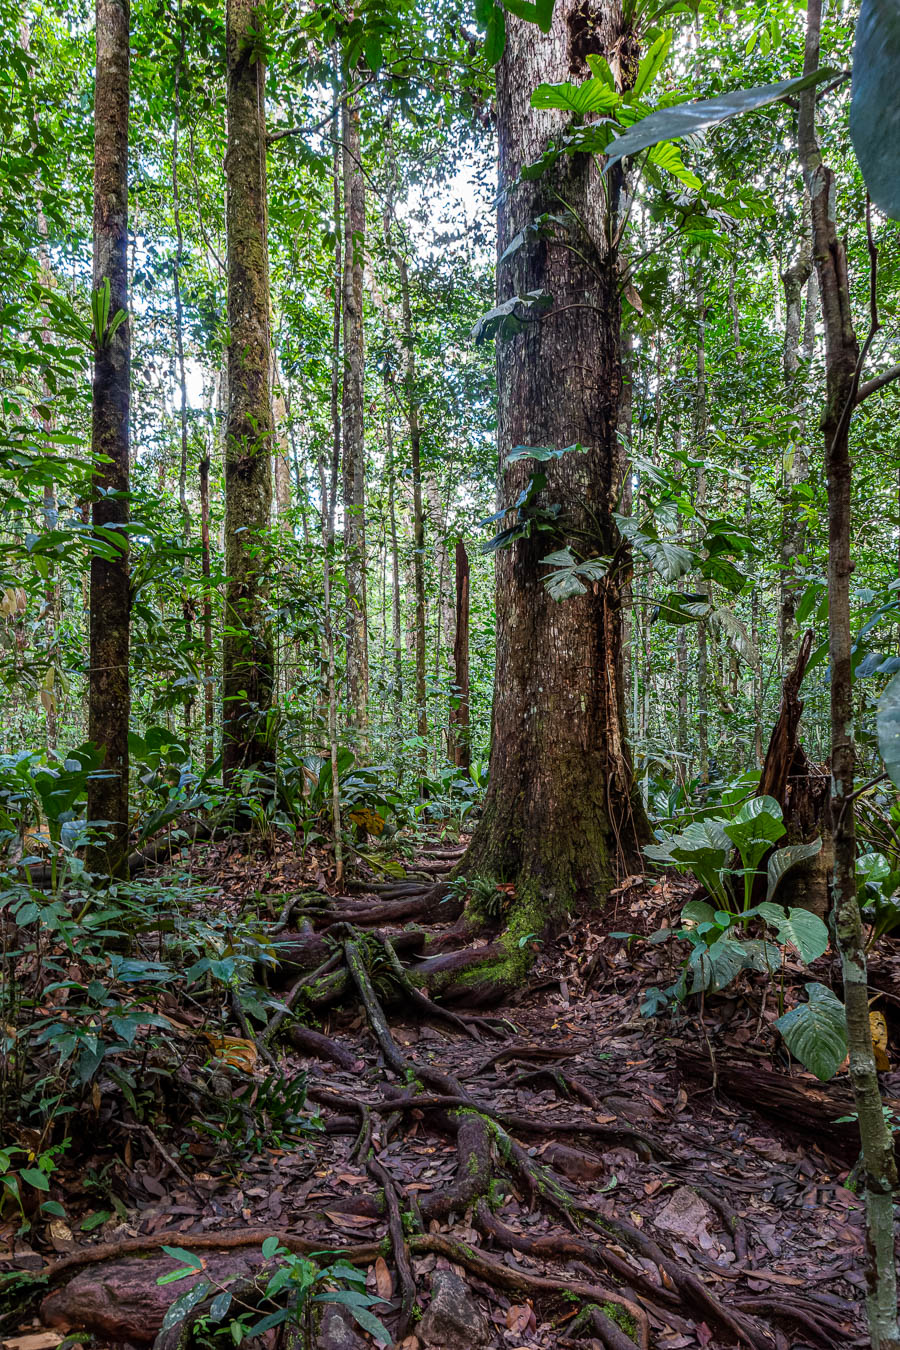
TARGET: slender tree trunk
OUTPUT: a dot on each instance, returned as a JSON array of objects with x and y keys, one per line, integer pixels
[
  {"x": 396, "y": 631},
  {"x": 626, "y": 489},
  {"x": 282, "y": 443},
  {"x": 561, "y": 808},
  {"x": 701, "y": 418},
  {"x": 186, "y": 603},
  {"x": 796, "y": 463},
  {"x": 328, "y": 492},
  {"x": 460, "y": 733},
  {"x": 248, "y": 676},
  {"x": 208, "y": 691},
  {"x": 354, "y": 465},
  {"x": 415, "y": 452},
  {"x": 841, "y": 369},
  {"x": 110, "y": 694}
]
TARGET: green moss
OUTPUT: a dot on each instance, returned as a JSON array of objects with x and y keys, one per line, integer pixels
[{"x": 623, "y": 1320}]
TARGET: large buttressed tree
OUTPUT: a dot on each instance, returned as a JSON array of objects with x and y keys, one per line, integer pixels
[
  {"x": 110, "y": 609},
  {"x": 561, "y": 815},
  {"x": 248, "y": 650}
]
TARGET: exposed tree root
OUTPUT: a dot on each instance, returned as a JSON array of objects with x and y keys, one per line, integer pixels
[
  {"x": 505, "y": 1277},
  {"x": 338, "y": 961}
]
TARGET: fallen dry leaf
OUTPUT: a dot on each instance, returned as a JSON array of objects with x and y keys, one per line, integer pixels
[{"x": 384, "y": 1285}]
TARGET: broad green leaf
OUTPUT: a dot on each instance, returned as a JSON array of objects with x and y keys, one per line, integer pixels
[
  {"x": 686, "y": 119},
  {"x": 803, "y": 930},
  {"x": 540, "y": 13},
  {"x": 755, "y": 828},
  {"x": 889, "y": 729},
  {"x": 698, "y": 911},
  {"x": 36, "y": 1178},
  {"x": 591, "y": 96},
  {"x": 668, "y": 156},
  {"x": 651, "y": 64},
  {"x": 875, "y": 103},
  {"x": 783, "y": 859},
  {"x": 713, "y": 968},
  {"x": 816, "y": 1032},
  {"x": 221, "y": 1303},
  {"x": 185, "y": 1304}
]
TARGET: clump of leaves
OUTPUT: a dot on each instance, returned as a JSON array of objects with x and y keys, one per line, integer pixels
[{"x": 293, "y": 1287}]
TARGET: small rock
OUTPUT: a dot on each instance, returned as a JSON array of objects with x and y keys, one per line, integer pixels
[
  {"x": 453, "y": 1320},
  {"x": 687, "y": 1216},
  {"x": 336, "y": 1331}
]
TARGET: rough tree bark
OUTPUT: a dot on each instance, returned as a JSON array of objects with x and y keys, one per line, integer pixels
[
  {"x": 110, "y": 609},
  {"x": 248, "y": 675},
  {"x": 794, "y": 278},
  {"x": 354, "y": 462},
  {"x": 561, "y": 810},
  {"x": 842, "y": 371},
  {"x": 460, "y": 743}
]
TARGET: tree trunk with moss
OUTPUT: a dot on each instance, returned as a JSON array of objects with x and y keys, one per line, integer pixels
[
  {"x": 110, "y": 604},
  {"x": 248, "y": 675},
  {"x": 562, "y": 816}
]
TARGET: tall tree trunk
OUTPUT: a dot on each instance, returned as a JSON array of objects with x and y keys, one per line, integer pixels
[
  {"x": 248, "y": 675},
  {"x": 460, "y": 734},
  {"x": 415, "y": 452},
  {"x": 110, "y": 694},
  {"x": 700, "y": 430},
  {"x": 282, "y": 442},
  {"x": 842, "y": 379},
  {"x": 561, "y": 806},
  {"x": 796, "y": 464},
  {"x": 354, "y": 467},
  {"x": 396, "y": 631},
  {"x": 186, "y": 602}
]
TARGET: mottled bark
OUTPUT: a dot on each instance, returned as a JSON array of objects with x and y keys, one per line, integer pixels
[
  {"x": 460, "y": 743},
  {"x": 282, "y": 462},
  {"x": 354, "y": 461},
  {"x": 796, "y": 464},
  {"x": 110, "y": 606},
  {"x": 248, "y": 656},
  {"x": 561, "y": 807},
  {"x": 841, "y": 374}
]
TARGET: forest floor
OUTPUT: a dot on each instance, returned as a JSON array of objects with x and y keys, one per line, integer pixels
[{"x": 593, "y": 1165}]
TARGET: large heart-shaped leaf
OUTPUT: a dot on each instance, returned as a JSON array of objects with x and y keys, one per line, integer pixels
[
  {"x": 783, "y": 859},
  {"x": 816, "y": 1032},
  {"x": 686, "y": 119},
  {"x": 755, "y": 829},
  {"x": 889, "y": 729},
  {"x": 875, "y": 106},
  {"x": 591, "y": 96},
  {"x": 713, "y": 968},
  {"x": 803, "y": 930}
]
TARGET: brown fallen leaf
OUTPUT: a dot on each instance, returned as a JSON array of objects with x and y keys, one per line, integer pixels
[
  {"x": 384, "y": 1285},
  {"x": 520, "y": 1318}
]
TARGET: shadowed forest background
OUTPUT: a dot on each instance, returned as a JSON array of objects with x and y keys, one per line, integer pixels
[{"x": 449, "y": 613}]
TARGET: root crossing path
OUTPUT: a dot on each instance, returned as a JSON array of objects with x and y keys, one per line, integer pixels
[{"x": 544, "y": 1153}]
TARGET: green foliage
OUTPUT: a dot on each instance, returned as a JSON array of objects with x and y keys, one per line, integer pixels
[
  {"x": 687, "y": 119},
  {"x": 816, "y": 1032},
  {"x": 292, "y": 1288},
  {"x": 874, "y": 108}
]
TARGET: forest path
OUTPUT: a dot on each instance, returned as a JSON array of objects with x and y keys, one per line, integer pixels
[{"x": 549, "y": 1153}]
